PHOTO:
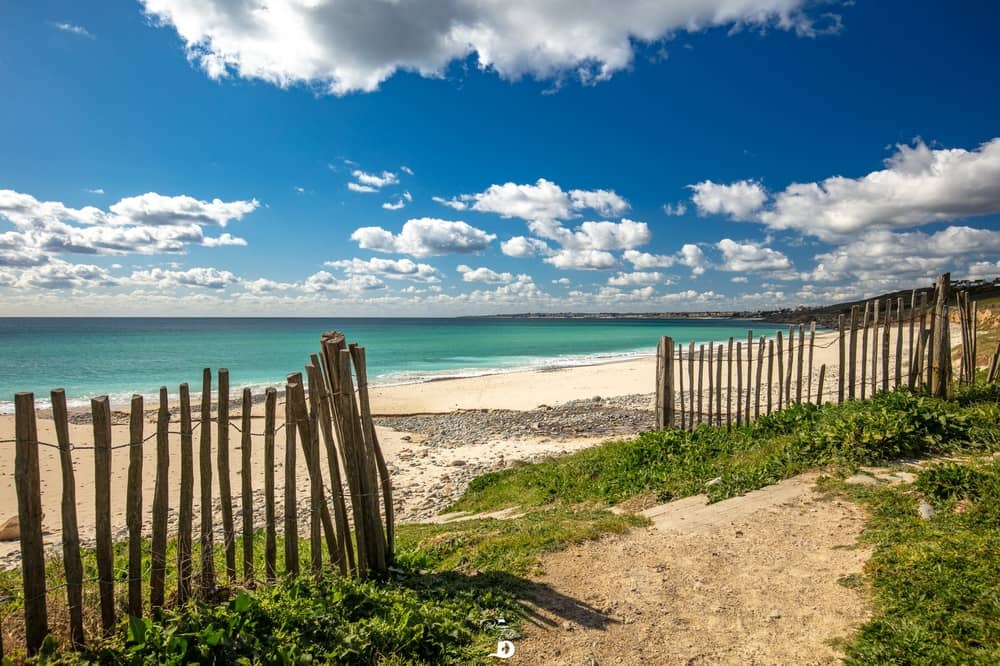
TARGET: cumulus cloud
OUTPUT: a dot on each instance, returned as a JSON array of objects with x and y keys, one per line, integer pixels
[
  {"x": 522, "y": 247},
  {"x": 749, "y": 257},
  {"x": 544, "y": 201},
  {"x": 396, "y": 269},
  {"x": 884, "y": 258},
  {"x": 58, "y": 274},
  {"x": 692, "y": 257},
  {"x": 265, "y": 286},
  {"x": 638, "y": 279},
  {"x": 645, "y": 260},
  {"x": 208, "y": 278},
  {"x": 147, "y": 224},
  {"x": 394, "y": 205},
  {"x": 424, "y": 237},
  {"x": 364, "y": 189},
  {"x": 587, "y": 260},
  {"x": 739, "y": 200},
  {"x": 355, "y": 45},
  {"x": 918, "y": 185},
  {"x": 375, "y": 180},
  {"x": 675, "y": 210},
  {"x": 324, "y": 281},
  {"x": 484, "y": 274}
]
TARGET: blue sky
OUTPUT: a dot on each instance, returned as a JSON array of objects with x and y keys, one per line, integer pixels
[{"x": 390, "y": 158}]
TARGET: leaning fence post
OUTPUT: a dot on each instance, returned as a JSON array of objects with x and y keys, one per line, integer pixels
[
  {"x": 72, "y": 561},
  {"x": 101, "y": 412},
  {"x": 29, "y": 514},
  {"x": 270, "y": 538},
  {"x": 158, "y": 547},
  {"x": 291, "y": 519},
  {"x": 186, "y": 512},
  {"x": 819, "y": 387},
  {"x": 133, "y": 508}
]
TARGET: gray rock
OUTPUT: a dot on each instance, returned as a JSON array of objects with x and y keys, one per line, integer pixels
[{"x": 925, "y": 510}]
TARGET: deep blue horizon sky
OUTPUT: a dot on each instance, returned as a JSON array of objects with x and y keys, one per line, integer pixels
[{"x": 170, "y": 157}]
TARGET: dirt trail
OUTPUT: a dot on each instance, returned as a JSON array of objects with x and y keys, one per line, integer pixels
[{"x": 750, "y": 580}]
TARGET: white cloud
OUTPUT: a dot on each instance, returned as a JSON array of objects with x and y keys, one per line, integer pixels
[
  {"x": 209, "y": 278},
  {"x": 522, "y": 247},
  {"x": 407, "y": 170},
  {"x": 645, "y": 260},
  {"x": 638, "y": 279},
  {"x": 739, "y": 200},
  {"x": 749, "y": 257},
  {"x": 355, "y": 45},
  {"x": 324, "y": 281},
  {"x": 364, "y": 189},
  {"x": 918, "y": 186},
  {"x": 374, "y": 179},
  {"x": 424, "y": 237},
  {"x": 265, "y": 286},
  {"x": 739, "y": 279},
  {"x": 224, "y": 239},
  {"x": 692, "y": 257},
  {"x": 147, "y": 224},
  {"x": 543, "y": 202},
  {"x": 398, "y": 205},
  {"x": 58, "y": 274},
  {"x": 299, "y": 189},
  {"x": 74, "y": 29},
  {"x": 96, "y": 190},
  {"x": 397, "y": 269},
  {"x": 595, "y": 260},
  {"x": 565, "y": 282},
  {"x": 675, "y": 210},
  {"x": 606, "y": 202},
  {"x": 484, "y": 274},
  {"x": 883, "y": 258}
]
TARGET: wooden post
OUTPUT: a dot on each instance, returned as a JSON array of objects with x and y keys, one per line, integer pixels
[
  {"x": 711, "y": 387},
  {"x": 916, "y": 371},
  {"x": 291, "y": 521},
  {"x": 186, "y": 513},
  {"x": 819, "y": 387},
  {"x": 691, "y": 383},
  {"x": 270, "y": 536},
  {"x": 101, "y": 415},
  {"x": 205, "y": 481},
  {"x": 354, "y": 448},
  {"x": 133, "y": 508},
  {"x": 29, "y": 515},
  {"x": 840, "y": 363},
  {"x": 161, "y": 500},
  {"x": 321, "y": 425},
  {"x": 746, "y": 407},
  {"x": 739, "y": 383},
  {"x": 780, "y": 356},
  {"x": 668, "y": 417},
  {"x": 852, "y": 355},
  {"x": 297, "y": 396},
  {"x": 812, "y": 344},
  {"x": 975, "y": 338},
  {"x": 788, "y": 367},
  {"x": 864, "y": 351},
  {"x": 701, "y": 369},
  {"x": 798, "y": 367},
  {"x": 729, "y": 386},
  {"x": 770, "y": 373},
  {"x": 875, "y": 346},
  {"x": 72, "y": 561},
  {"x": 887, "y": 325},
  {"x": 940, "y": 383},
  {"x": 760, "y": 369},
  {"x": 660, "y": 383},
  {"x": 911, "y": 350},
  {"x": 225, "y": 479},
  {"x": 899, "y": 342},
  {"x": 246, "y": 478},
  {"x": 680, "y": 377},
  {"x": 718, "y": 386}
]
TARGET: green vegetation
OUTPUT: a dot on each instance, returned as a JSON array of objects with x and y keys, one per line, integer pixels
[
  {"x": 934, "y": 581},
  {"x": 675, "y": 463}
]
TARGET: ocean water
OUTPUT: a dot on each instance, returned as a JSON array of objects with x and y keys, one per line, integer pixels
[{"x": 119, "y": 356}]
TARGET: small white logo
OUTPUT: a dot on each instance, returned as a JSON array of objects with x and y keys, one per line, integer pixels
[{"x": 505, "y": 650}]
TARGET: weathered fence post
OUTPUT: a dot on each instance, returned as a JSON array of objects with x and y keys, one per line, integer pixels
[
  {"x": 840, "y": 363},
  {"x": 780, "y": 356},
  {"x": 205, "y": 478},
  {"x": 161, "y": 499},
  {"x": 760, "y": 369},
  {"x": 711, "y": 383},
  {"x": 72, "y": 561},
  {"x": 270, "y": 537},
  {"x": 691, "y": 383},
  {"x": 864, "y": 350},
  {"x": 101, "y": 413},
  {"x": 29, "y": 514},
  {"x": 812, "y": 344},
  {"x": 133, "y": 508},
  {"x": 246, "y": 479},
  {"x": 701, "y": 369},
  {"x": 819, "y": 387},
  {"x": 291, "y": 520},
  {"x": 680, "y": 381},
  {"x": 739, "y": 383},
  {"x": 940, "y": 382},
  {"x": 770, "y": 373},
  {"x": 186, "y": 509},
  {"x": 746, "y": 407},
  {"x": 225, "y": 480},
  {"x": 852, "y": 361},
  {"x": 899, "y": 341}
]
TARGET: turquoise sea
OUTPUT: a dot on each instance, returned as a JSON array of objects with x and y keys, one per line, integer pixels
[{"x": 120, "y": 356}]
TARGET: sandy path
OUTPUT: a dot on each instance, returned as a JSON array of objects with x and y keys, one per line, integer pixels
[{"x": 746, "y": 581}]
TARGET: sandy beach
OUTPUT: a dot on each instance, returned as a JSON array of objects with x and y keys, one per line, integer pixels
[{"x": 462, "y": 428}]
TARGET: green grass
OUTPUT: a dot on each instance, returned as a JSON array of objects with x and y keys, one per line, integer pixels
[
  {"x": 934, "y": 583},
  {"x": 675, "y": 463}
]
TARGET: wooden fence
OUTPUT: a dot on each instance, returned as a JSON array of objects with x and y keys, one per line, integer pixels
[
  {"x": 879, "y": 348},
  {"x": 351, "y": 509}
]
